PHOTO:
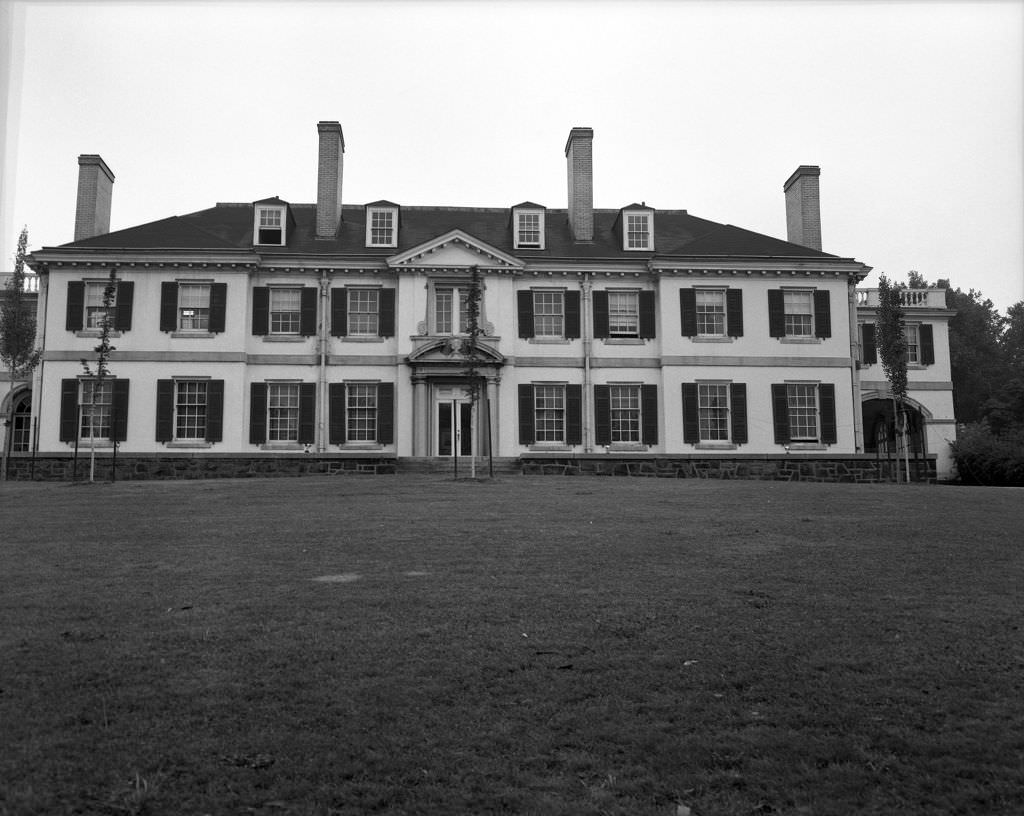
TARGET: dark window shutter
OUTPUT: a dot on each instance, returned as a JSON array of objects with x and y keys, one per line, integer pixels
[
  {"x": 307, "y": 411},
  {"x": 119, "y": 411},
  {"x": 780, "y": 413},
  {"x": 574, "y": 415},
  {"x": 307, "y": 313},
  {"x": 822, "y": 314},
  {"x": 336, "y": 412},
  {"x": 572, "y": 315},
  {"x": 827, "y": 407},
  {"x": 691, "y": 413},
  {"x": 927, "y": 338},
  {"x": 600, "y": 314},
  {"x": 526, "y": 426},
  {"x": 738, "y": 400},
  {"x": 776, "y": 313},
  {"x": 165, "y": 410},
  {"x": 688, "y": 312},
  {"x": 868, "y": 350},
  {"x": 257, "y": 413},
  {"x": 168, "y": 309},
  {"x": 734, "y": 311},
  {"x": 649, "y": 413},
  {"x": 68, "y": 410},
  {"x": 123, "y": 307},
  {"x": 215, "y": 410},
  {"x": 76, "y": 307},
  {"x": 261, "y": 316},
  {"x": 386, "y": 321},
  {"x": 647, "y": 318},
  {"x": 218, "y": 308},
  {"x": 602, "y": 414},
  {"x": 339, "y": 312},
  {"x": 385, "y": 413},
  {"x": 524, "y": 309}
]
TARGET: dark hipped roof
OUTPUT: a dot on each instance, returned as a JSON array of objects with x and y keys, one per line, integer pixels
[{"x": 230, "y": 226}]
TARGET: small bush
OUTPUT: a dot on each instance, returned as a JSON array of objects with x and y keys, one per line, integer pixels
[{"x": 985, "y": 458}]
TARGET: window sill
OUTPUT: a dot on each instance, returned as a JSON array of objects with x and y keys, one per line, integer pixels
[
  {"x": 195, "y": 335},
  {"x": 284, "y": 338},
  {"x": 549, "y": 446},
  {"x": 715, "y": 446},
  {"x": 190, "y": 443},
  {"x": 801, "y": 340},
  {"x": 361, "y": 446},
  {"x": 283, "y": 446},
  {"x": 96, "y": 333},
  {"x": 87, "y": 444},
  {"x": 616, "y": 447},
  {"x": 623, "y": 341},
  {"x": 368, "y": 338},
  {"x": 805, "y": 446},
  {"x": 549, "y": 341},
  {"x": 708, "y": 338}
]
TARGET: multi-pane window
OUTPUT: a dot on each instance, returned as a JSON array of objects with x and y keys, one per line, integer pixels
[
  {"x": 623, "y": 314},
  {"x": 548, "y": 313},
  {"x": 549, "y": 413},
  {"x": 269, "y": 226},
  {"x": 194, "y": 306},
  {"x": 282, "y": 412},
  {"x": 710, "y": 312},
  {"x": 363, "y": 311},
  {"x": 361, "y": 412},
  {"x": 638, "y": 231},
  {"x": 22, "y": 431},
  {"x": 382, "y": 228},
  {"x": 713, "y": 411},
  {"x": 624, "y": 403},
  {"x": 451, "y": 310},
  {"x": 97, "y": 403},
  {"x": 285, "y": 310},
  {"x": 190, "y": 409},
  {"x": 911, "y": 332},
  {"x": 802, "y": 401},
  {"x": 529, "y": 229},
  {"x": 799, "y": 313},
  {"x": 95, "y": 312}
]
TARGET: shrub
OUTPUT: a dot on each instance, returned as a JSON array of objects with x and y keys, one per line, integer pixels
[{"x": 986, "y": 458}]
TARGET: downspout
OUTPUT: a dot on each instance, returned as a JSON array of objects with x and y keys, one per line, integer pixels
[
  {"x": 855, "y": 357},
  {"x": 321, "y": 435},
  {"x": 42, "y": 308},
  {"x": 585, "y": 328}
]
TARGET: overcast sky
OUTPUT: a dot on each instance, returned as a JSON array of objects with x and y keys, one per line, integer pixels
[{"x": 912, "y": 110}]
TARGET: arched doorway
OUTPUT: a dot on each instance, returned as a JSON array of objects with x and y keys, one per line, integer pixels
[
  {"x": 20, "y": 432},
  {"x": 880, "y": 428}
]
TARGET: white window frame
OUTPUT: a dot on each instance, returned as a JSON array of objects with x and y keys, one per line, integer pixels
[
  {"x": 789, "y": 311},
  {"x": 93, "y": 305},
  {"x": 456, "y": 315},
  {"x": 520, "y": 242},
  {"x": 912, "y": 334},
  {"x": 204, "y": 311},
  {"x": 628, "y": 232},
  {"x": 392, "y": 228},
  {"x": 278, "y": 290},
  {"x": 615, "y": 330},
  {"x": 625, "y": 420},
  {"x": 269, "y": 214},
  {"x": 362, "y": 311},
  {"x": 361, "y": 419},
  {"x": 289, "y": 425},
  {"x": 199, "y": 429},
  {"x": 702, "y": 316},
  {"x": 544, "y": 314},
  {"x": 803, "y": 397},
  {"x": 549, "y": 419},
  {"x": 714, "y": 421},
  {"x": 96, "y": 421}
]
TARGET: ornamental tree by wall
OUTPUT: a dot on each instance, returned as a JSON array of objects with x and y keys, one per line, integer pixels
[
  {"x": 98, "y": 376},
  {"x": 18, "y": 351},
  {"x": 891, "y": 341}
]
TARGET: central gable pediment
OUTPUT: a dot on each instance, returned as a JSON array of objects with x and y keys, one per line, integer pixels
[{"x": 455, "y": 250}]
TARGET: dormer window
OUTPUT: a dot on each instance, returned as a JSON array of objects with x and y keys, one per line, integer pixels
[
  {"x": 269, "y": 227},
  {"x": 529, "y": 228},
  {"x": 638, "y": 230},
  {"x": 381, "y": 226}
]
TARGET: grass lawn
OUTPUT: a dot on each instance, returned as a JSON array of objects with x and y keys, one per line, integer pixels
[{"x": 410, "y": 644}]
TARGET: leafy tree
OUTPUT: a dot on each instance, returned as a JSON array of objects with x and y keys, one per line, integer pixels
[
  {"x": 471, "y": 350},
  {"x": 891, "y": 342},
  {"x": 103, "y": 351},
  {"x": 18, "y": 351}
]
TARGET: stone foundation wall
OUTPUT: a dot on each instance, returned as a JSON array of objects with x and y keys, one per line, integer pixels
[
  {"x": 788, "y": 468},
  {"x": 142, "y": 468}
]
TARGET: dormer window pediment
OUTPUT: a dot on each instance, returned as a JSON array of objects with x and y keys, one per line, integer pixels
[
  {"x": 270, "y": 222},
  {"x": 382, "y": 222},
  {"x": 637, "y": 225},
  {"x": 528, "y": 226}
]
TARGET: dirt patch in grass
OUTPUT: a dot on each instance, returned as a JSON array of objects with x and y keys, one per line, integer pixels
[{"x": 527, "y": 645}]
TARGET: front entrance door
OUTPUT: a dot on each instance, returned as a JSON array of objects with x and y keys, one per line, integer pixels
[{"x": 453, "y": 430}]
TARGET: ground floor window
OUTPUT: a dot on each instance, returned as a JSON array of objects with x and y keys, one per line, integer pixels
[
  {"x": 804, "y": 412},
  {"x": 624, "y": 403},
  {"x": 549, "y": 413},
  {"x": 361, "y": 412}
]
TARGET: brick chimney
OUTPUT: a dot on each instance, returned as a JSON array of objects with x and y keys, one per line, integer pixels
[
  {"x": 579, "y": 154},
  {"x": 95, "y": 188},
  {"x": 331, "y": 163},
  {"x": 803, "y": 209}
]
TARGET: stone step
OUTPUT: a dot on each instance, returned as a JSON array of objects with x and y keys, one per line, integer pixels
[{"x": 444, "y": 465}]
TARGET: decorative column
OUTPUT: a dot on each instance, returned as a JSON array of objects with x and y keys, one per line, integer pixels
[
  {"x": 492, "y": 406},
  {"x": 420, "y": 415}
]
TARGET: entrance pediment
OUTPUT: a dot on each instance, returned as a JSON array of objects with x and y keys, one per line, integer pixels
[
  {"x": 451, "y": 351},
  {"x": 455, "y": 250}
]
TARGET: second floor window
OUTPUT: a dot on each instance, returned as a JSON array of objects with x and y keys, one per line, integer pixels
[
  {"x": 451, "y": 310},
  {"x": 96, "y": 314},
  {"x": 285, "y": 310},
  {"x": 194, "y": 307},
  {"x": 623, "y": 314},
  {"x": 548, "y": 313},
  {"x": 363, "y": 312},
  {"x": 710, "y": 312},
  {"x": 799, "y": 314}
]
